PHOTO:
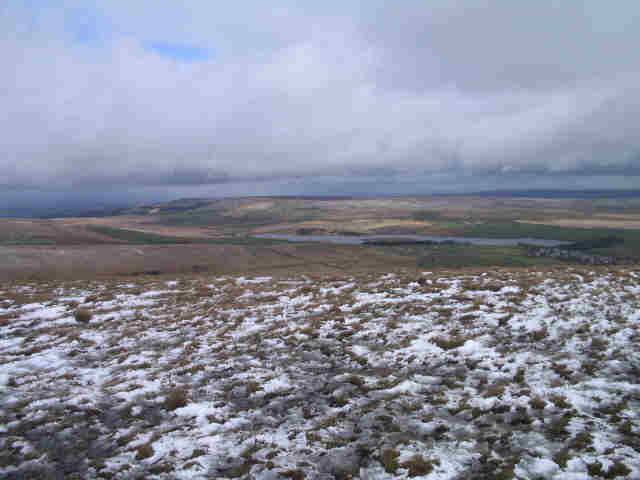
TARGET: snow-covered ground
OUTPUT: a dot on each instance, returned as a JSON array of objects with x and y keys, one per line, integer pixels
[{"x": 503, "y": 374}]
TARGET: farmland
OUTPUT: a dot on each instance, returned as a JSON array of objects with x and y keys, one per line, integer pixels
[{"x": 176, "y": 237}]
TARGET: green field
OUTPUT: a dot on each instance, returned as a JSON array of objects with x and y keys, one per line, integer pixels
[
  {"x": 28, "y": 241},
  {"x": 133, "y": 236},
  {"x": 551, "y": 232},
  {"x": 629, "y": 245},
  {"x": 137, "y": 237}
]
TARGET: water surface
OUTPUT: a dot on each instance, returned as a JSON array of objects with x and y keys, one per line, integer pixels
[{"x": 361, "y": 240}]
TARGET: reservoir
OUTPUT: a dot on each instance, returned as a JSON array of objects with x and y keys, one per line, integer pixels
[{"x": 408, "y": 239}]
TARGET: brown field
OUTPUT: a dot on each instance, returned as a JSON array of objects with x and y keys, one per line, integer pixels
[
  {"x": 140, "y": 224},
  {"x": 49, "y": 230},
  {"x": 361, "y": 225},
  {"x": 602, "y": 221},
  {"x": 102, "y": 261}
]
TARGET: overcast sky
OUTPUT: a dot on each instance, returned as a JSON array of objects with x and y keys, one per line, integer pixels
[{"x": 209, "y": 97}]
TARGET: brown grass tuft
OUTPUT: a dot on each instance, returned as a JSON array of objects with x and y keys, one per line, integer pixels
[
  {"x": 389, "y": 460},
  {"x": 418, "y": 466},
  {"x": 176, "y": 398},
  {"x": 82, "y": 315},
  {"x": 144, "y": 451},
  {"x": 537, "y": 403},
  {"x": 450, "y": 343}
]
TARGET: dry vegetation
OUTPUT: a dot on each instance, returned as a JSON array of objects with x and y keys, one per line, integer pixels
[
  {"x": 104, "y": 261},
  {"x": 505, "y": 374},
  {"x": 219, "y": 219}
]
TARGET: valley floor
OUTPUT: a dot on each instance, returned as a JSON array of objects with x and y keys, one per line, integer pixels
[{"x": 530, "y": 374}]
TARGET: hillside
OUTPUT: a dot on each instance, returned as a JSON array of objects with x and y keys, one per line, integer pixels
[
  {"x": 218, "y": 235},
  {"x": 529, "y": 374}
]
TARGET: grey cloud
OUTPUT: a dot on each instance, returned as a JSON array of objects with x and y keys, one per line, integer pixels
[
  {"x": 362, "y": 89},
  {"x": 495, "y": 44}
]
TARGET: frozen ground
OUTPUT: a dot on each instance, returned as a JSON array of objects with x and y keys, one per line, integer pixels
[{"x": 496, "y": 375}]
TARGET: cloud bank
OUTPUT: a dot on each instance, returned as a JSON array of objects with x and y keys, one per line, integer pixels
[{"x": 152, "y": 93}]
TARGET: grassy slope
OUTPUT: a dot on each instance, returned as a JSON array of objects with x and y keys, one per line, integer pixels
[
  {"x": 630, "y": 238},
  {"x": 138, "y": 237},
  {"x": 552, "y": 232},
  {"x": 133, "y": 236},
  {"x": 479, "y": 256}
]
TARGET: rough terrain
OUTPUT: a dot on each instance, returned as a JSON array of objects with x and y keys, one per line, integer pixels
[{"x": 529, "y": 374}]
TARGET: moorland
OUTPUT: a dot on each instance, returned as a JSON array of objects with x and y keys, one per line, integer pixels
[{"x": 218, "y": 235}]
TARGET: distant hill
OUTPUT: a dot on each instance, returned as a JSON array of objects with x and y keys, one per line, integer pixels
[
  {"x": 187, "y": 204},
  {"x": 580, "y": 194},
  {"x": 64, "y": 212},
  {"x": 174, "y": 206}
]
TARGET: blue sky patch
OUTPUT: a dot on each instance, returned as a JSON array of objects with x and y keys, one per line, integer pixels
[
  {"x": 86, "y": 26},
  {"x": 178, "y": 51}
]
